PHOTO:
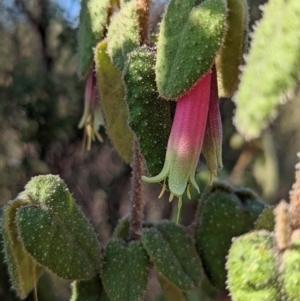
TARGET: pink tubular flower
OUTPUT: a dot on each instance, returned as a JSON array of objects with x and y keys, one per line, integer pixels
[
  {"x": 212, "y": 145},
  {"x": 189, "y": 132},
  {"x": 186, "y": 139},
  {"x": 92, "y": 117}
]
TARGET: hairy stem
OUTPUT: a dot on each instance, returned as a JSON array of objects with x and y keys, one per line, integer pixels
[
  {"x": 144, "y": 16},
  {"x": 136, "y": 193}
]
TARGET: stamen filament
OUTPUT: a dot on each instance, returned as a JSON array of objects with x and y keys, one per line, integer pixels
[{"x": 179, "y": 209}]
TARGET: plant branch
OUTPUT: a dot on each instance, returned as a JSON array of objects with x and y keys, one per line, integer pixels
[
  {"x": 144, "y": 19},
  {"x": 295, "y": 200},
  {"x": 40, "y": 24},
  {"x": 136, "y": 193}
]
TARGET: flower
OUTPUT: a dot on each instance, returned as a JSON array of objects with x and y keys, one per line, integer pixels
[
  {"x": 193, "y": 125},
  {"x": 92, "y": 117},
  {"x": 212, "y": 145}
]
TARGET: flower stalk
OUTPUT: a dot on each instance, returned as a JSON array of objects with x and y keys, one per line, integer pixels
[{"x": 136, "y": 193}]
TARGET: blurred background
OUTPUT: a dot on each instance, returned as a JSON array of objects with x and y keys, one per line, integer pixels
[{"x": 41, "y": 102}]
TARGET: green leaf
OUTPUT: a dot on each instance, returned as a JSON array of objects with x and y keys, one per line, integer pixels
[
  {"x": 54, "y": 231},
  {"x": 114, "y": 106},
  {"x": 170, "y": 291},
  {"x": 173, "y": 254},
  {"x": 122, "y": 229},
  {"x": 125, "y": 270},
  {"x": 189, "y": 39},
  {"x": 266, "y": 220},
  {"x": 265, "y": 166},
  {"x": 89, "y": 290},
  {"x": 93, "y": 17},
  {"x": 223, "y": 214},
  {"x": 290, "y": 272},
  {"x": 23, "y": 270},
  {"x": 206, "y": 291},
  {"x": 252, "y": 268},
  {"x": 149, "y": 115},
  {"x": 272, "y": 68},
  {"x": 230, "y": 56},
  {"x": 123, "y": 34}
]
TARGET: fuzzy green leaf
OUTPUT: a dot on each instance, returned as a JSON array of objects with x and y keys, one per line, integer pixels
[
  {"x": 223, "y": 214},
  {"x": 23, "y": 270},
  {"x": 93, "y": 17},
  {"x": 125, "y": 270},
  {"x": 266, "y": 220},
  {"x": 173, "y": 254},
  {"x": 189, "y": 39},
  {"x": 252, "y": 268},
  {"x": 290, "y": 272},
  {"x": 89, "y": 290},
  {"x": 230, "y": 56},
  {"x": 272, "y": 68},
  {"x": 149, "y": 115},
  {"x": 54, "y": 231},
  {"x": 123, "y": 34},
  {"x": 114, "y": 106},
  {"x": 122, "y": 229}
]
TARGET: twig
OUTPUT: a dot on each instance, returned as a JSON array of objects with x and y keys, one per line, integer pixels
[
  {"x": 136, "y": 193},
  {"x": 144, "y": 16},
  {"x": 40, "y": 24},
  {"x": 295, "y": 200}
]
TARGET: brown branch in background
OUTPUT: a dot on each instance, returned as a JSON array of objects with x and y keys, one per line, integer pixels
[
  {"x": 136, "y": 193},
  {"x": 40, "y": 24},
  {"x": 243, "y": 161},
  {"x": 295, "y": 200},
  {"x": 143, "y": 8}
]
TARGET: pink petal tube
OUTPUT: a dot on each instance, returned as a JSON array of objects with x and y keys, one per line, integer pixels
[{"x": 186, "y": 138}]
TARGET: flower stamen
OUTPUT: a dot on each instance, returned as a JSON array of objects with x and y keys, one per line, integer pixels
[
  {"x": 212, "y": 177},
  {"x": 163, "y": 190},
  {"x": 188, "y": 191},
  {"x": 171, "y": 197}
]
